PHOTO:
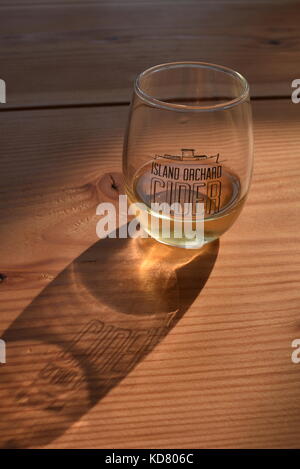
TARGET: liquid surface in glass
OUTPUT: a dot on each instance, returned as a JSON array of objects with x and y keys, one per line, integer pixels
[{"x": 187, "y": 178}]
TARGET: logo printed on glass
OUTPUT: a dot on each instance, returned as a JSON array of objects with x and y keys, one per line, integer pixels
[{"x": 187, "y": 178}]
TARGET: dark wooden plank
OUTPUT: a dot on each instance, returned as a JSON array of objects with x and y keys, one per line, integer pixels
[
  {"x": 223, "y": 375},
  {"x": 80, "y": 54},
  {"x": 133, "y": 2},
  {"x": 18, "y": 3}
]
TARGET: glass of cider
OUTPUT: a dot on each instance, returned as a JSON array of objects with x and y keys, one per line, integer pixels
[{"x": 188, "y": 151}]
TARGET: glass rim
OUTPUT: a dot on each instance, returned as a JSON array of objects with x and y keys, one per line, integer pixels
[{"x": 243, "y": 96}]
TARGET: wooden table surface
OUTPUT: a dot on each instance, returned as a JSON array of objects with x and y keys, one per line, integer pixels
[{"x": 210, "y": 364}]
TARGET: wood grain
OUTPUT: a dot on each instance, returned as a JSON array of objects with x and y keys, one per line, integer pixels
[
  {"x": 17, "y": 3},
  {"x": 222, "y": 376},
  {"x": 79, "y": 53}
]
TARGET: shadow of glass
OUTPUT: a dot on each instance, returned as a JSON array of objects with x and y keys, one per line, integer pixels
[{"x": 89, "y": 328}]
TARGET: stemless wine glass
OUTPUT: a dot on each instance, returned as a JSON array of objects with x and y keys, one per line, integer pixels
[{"x": 189, "y": 140}]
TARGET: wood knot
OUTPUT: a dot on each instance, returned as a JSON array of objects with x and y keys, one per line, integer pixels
[
  {"x": 2, "y": 277},
  {"x": 274, "y": 42},
  {"x": 111, "y": 185}
]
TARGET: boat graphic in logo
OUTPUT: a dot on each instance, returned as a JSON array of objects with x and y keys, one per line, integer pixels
[{"x": 188, "y": 155}]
